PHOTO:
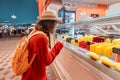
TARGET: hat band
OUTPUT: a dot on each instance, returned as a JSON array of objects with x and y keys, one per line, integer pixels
[{"x": 48, "y": 17}]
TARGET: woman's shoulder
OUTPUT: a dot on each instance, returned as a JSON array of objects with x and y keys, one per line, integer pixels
[{"x": 39, "y": 36}]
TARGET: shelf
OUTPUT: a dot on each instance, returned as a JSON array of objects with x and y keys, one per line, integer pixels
[{"x": 111, "y": 19}]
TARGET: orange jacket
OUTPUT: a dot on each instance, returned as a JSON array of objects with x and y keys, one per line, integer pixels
[{"x": 39, "y": 44}]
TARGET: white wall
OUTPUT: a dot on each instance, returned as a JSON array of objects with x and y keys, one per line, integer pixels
[
  {"x": 55, "y": 5},
  {"x": 114, "y": 9}
]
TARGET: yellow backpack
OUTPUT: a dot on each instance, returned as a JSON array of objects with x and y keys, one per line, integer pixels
[{"x": 20, "y": 62}]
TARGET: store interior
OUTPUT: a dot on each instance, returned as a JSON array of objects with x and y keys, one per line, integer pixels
[{"x": 90, "y": 33}]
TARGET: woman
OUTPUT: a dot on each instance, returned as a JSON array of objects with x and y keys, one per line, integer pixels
[{"x": 38, "y": 45}]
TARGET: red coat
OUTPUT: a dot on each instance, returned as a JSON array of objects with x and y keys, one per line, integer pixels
[{"x": 39, "y": 44}]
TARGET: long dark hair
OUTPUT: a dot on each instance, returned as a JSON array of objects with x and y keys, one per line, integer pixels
[{"x": 46, "y": 26}]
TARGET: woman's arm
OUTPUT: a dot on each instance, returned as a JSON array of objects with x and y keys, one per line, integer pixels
[{"x": 48, "y": 56}]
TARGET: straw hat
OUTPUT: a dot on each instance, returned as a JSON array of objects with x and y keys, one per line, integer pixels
[{"x": 49, "y": 15}]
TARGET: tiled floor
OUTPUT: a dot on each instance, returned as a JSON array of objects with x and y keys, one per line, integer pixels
[{"x": 7, "y": 47}]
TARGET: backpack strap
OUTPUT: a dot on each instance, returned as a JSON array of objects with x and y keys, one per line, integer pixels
[
  {"x": 32, "y": 31},
  {"x": 32, "y": 59}
]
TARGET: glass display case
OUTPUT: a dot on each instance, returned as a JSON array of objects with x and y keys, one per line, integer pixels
[{"x": 95, "y": 40}]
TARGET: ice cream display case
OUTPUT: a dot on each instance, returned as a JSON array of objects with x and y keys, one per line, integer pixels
[{"x": 91, "y": 49}]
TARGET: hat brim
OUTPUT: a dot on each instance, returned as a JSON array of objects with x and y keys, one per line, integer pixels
[{"x": 57, "y": 20}]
